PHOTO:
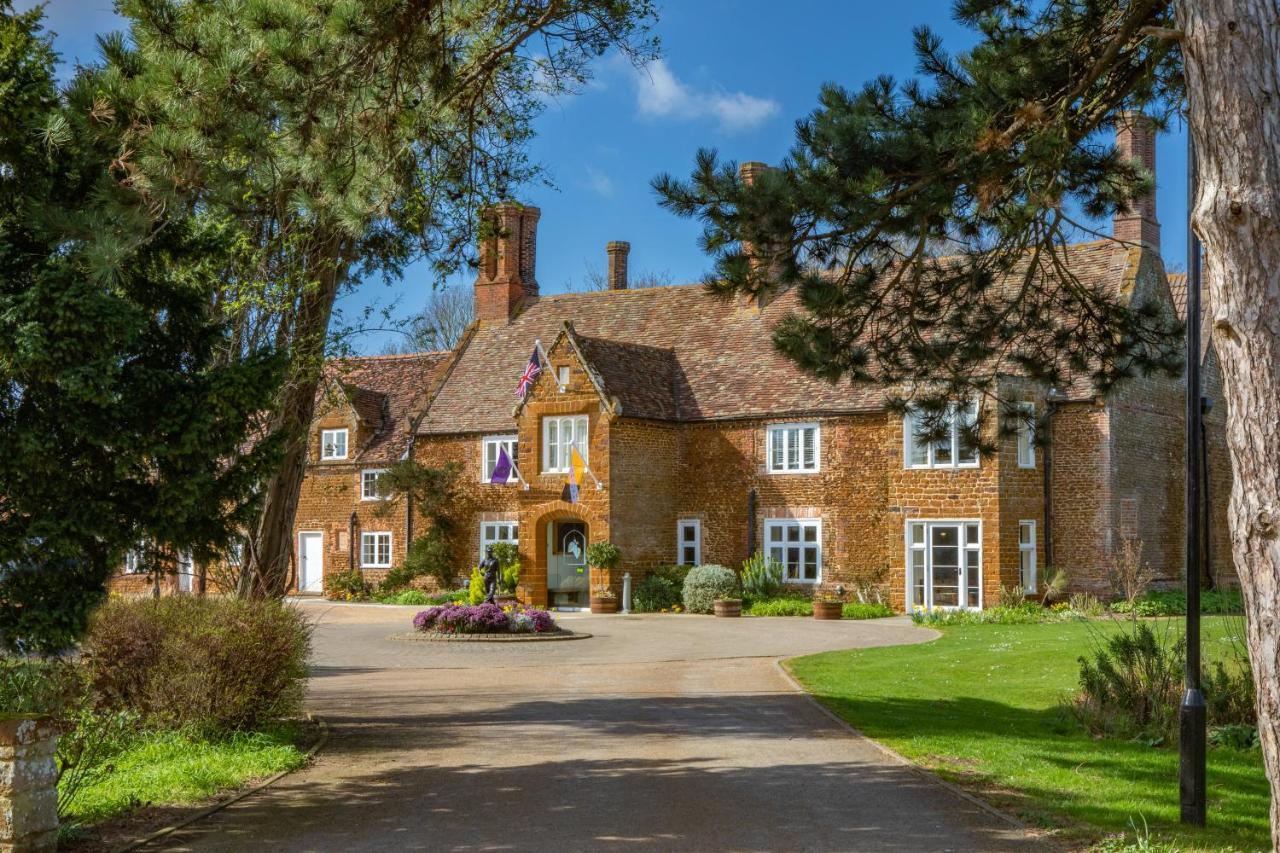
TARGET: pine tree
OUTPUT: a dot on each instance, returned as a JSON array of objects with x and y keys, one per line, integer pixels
[
  {"x": 926, "y": 226},
  {"x": 342, "y": 139},
  {"x": 117, "y": 424}
]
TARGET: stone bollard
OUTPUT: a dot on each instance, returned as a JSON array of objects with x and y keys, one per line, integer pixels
[{"x": 28, "y": 786}]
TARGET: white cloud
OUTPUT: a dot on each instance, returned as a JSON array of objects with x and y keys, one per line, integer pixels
[
  {"x": 598, "y": 182},
  {"x": 660, "y": 94}
]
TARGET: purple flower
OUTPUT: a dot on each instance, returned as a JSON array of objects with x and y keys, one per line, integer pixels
[{"x": 482, "y": 619}]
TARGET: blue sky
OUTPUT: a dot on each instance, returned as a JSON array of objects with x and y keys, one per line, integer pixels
[{"x": 734, "y": 75}]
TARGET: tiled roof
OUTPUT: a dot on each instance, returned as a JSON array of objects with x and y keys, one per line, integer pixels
[
  {"x": 382, "y": 390},
  {"x": 645, "y": 380},
  {"x": 1178, "y": 289},
  {"x": 674, "y": 352}
]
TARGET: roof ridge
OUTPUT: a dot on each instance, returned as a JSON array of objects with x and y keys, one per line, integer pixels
[{"x": 390, "y": 356}]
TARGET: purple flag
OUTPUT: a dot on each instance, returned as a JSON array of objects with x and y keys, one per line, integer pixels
[{"x": 501, "y": 468}]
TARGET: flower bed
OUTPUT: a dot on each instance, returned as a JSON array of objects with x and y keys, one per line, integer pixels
[{"x": 483, "y": 619}]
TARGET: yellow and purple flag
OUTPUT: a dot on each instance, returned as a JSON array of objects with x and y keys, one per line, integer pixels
[{"x": 576, "y": 466}]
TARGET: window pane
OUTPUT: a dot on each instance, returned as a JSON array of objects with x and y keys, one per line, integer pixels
[
  {"x": 689, "y": 532},
  {"x": 777, "y": 556},
  {"x": 968, "y": 450},
  {"x": 917, "y": 576},
  {"x": 971, "y": 534},
  {"x": 776, "y": 441},
  {"x": 811, "y": 533},
  {"x": 793, "y": 533},
  {"x": 810, "y": 438},
  {"x": 793, "y": 449},
  {"x": 918, "y": 450},
  {"x": 811, "y": 564},
  {"x": 775, "y": 533},
  {"x": 917, "y": 534},
  {"x": 1024, "y": 533}
]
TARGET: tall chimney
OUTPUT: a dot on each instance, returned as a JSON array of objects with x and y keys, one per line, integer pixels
[
  {"x": 506, "y": 276},
  {"x": 748, "y": 173},
  {"x": 1135, "y": 140},
  {"x": 617, "y": 251}
]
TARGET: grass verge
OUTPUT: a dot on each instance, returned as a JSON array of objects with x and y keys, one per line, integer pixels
[
  {"x": 983, "y": 707},
  {"x": 173, "y": 768}
]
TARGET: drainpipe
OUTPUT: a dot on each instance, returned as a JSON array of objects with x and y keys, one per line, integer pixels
[
  {"x": 1052, "y": 400},
  {"x": 351, "y": 540},
  {"x": 751, "y": 523}
]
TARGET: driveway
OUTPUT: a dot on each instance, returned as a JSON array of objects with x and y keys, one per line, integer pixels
[{"x": 658, "y": 733}]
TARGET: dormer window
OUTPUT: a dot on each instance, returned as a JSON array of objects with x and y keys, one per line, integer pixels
[{"x": 333, "y": 444}]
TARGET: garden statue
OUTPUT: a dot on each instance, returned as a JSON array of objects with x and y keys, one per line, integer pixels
[{"x": 492, "y": 574}]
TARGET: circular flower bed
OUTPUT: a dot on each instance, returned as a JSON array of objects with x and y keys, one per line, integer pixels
[{"x": 483, "y": 619}]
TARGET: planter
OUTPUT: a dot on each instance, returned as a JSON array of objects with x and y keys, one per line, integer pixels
[
  {"x": 604, "y": 605},
  {"x": 828, "y": 609},
  {"x": 727, "y": 607},
  {"x": 506, "y": 600}
]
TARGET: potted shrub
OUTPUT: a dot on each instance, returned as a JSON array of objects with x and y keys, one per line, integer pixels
[
  {"x": 827, "y": 606},
  {"x": 603, "y": 557},
  {"x": 603, "y": 599},
  {"x": 707, "y": 584}
]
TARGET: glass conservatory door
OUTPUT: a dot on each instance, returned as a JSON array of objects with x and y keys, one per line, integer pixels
[{"x": 944, "y": 565}]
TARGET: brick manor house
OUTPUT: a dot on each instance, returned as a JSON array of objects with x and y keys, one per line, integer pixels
[{"x": 705, "y": 445}]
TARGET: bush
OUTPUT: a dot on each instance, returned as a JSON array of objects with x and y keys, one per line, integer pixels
[
  {"x": 654, "y": 594},
  {"x": 46, "y": 605},
  {"x": 348, "y": 585},
  {"x": 1173, "y": 602},
  {"x": 866, "y": 610},
  {"x": 508, "y": 556},
  {"x": 428, "y": 556},
  {"x": 419, "y": 598},
  {"x": 1133, "y": 685},
  {"x": 475, "y": 587},
  {"x": 761, "y": 576},
  {"x": 1086, "y": 605},
  {"x": 704, "y": 584},
  {"x": 38, "y": 688},
  {"x": 210, "y": 664}
]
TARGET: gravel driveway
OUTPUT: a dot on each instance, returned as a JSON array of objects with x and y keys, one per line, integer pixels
[{"x": 657, "y": 733}]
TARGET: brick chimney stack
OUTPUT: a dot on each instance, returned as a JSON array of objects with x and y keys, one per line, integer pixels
[
  {"x": 506, "y": 277},
  {"x": 748, "y": 173},
  {"x": 1136, "y": 140},
  {"x": 617, "y": 251}
]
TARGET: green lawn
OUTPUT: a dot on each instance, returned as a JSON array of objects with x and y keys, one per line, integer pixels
[
  {"x": 982, "y": 706},
  {"x": 174, "y": 769}
]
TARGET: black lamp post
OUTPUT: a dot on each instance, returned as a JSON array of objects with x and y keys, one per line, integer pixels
[{"x": 1191, "y": 717}]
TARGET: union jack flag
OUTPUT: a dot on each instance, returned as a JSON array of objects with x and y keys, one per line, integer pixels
[{"x": 531, "y": 371}]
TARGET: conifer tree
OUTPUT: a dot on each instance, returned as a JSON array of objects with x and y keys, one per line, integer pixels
[
  {"x": 1000, "y": 158},
  {"x": 117, "y": 424},
  {"x": 341, "y": 139}
]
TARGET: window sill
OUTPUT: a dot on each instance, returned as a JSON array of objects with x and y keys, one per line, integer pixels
[{"x": 774, "y": 473}]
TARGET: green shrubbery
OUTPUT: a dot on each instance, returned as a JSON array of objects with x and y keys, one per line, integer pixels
[
  {"x": 865, "y": 610},
  {"x": 37, "y": 687},
  {"x": 704, "y": 584},
  {"x": 660, "y": 590},
  {"x": 799, "y": 604},
  {"x": 206, "y": 664},
  {"x": 418, "y": 597},
  {"x": 347, "y": 585},
  {"x": 1026, "y": 613},
  {"x": 761, "y": 577},
  {"x": 1174, "y": 603}
]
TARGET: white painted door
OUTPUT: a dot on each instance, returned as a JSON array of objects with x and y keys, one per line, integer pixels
[{"x": 310, "y": 562}]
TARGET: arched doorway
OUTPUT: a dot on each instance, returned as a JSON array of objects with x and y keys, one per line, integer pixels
[{"x": 568, "y": 578}]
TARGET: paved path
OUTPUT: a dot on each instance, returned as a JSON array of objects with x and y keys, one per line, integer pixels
[{"x": 658, "y": 733}]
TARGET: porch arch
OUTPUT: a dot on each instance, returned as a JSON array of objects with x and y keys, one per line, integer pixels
[{"x": 533, "y": 553}]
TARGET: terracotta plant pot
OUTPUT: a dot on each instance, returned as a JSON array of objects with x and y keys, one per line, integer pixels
[
  {"x": 727, "y": 606},
  {"x": 828, "y": 610},
  {"x": 604, "y": 605}
]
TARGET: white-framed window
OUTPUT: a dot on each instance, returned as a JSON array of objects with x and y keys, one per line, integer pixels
[
  {"x": 135, "y": 559},
  {"x": 944, "y": 564},
  {"x": 493, "y": 444},
  {"x": 235, "y": 553},
  {"x": 562, "y": 377},
  {"x": 793, "y": 448},
  {"x": 559, "y": 434},
  {"x": 1026, "y": 435},
  {"x": 688, "y": 542},
  {"x": 1027, "y": 555},
  {"x": 493, "y": 532},
  {"x": 796, "y": 545},
  {"x": 375, "y": 550},
  {"x": 333, "y": 444},
  {"x": 950, "y": 451},
  {"x": 369, "y": 481}
]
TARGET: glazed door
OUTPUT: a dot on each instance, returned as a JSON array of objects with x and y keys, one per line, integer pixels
[{"x": 567, "y": 576}]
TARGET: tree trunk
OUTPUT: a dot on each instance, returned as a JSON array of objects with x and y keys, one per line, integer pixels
[
  {"x": 1232, "y": 50},
  {"x": 268, "y": 567}
]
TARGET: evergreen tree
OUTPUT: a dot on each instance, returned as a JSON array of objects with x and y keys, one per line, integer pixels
[
  {"x": 999, "y": 159},
  {"x": 343, "y": 139},
  {"x": 116, "y": 425}
]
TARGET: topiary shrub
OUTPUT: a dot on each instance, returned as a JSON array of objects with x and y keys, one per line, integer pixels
[
  {"x": 209, "y": 664},
  {"x": 603, "y": 555},
  {"x": 704, "y": 584}
]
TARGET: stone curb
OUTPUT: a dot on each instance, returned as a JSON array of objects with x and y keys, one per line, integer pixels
[
  {"x": 420, "y": 637},
  {"x": 139, "y": 843},
  {"x": 902, "y": 760}
]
